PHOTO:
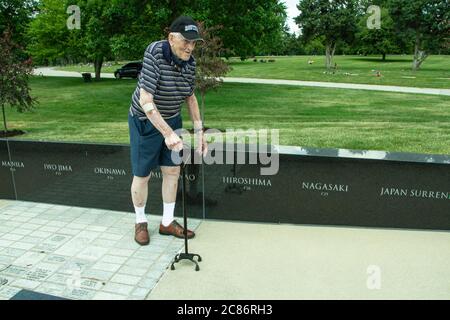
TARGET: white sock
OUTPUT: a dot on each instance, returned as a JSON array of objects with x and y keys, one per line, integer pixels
[
  {"x": 167, "y": 218},
  {"x": 140, "y": 214}
]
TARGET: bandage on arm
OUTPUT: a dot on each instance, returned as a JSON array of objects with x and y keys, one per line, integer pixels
[
  {"x": 171, "y": 139},
  {"x": 152, "y": 113}
]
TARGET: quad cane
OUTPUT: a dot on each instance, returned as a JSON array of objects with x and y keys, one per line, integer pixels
[{"x": 186, "y": 255}]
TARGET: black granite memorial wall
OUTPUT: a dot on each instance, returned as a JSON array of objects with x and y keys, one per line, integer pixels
[
  {"x": 7, "y": 169},
  {"x": 312, "y": 186},
  {"x": 72, "y": 174},
  {"x": 86, "y": 175},
  {"x": 333, "y": 191}
]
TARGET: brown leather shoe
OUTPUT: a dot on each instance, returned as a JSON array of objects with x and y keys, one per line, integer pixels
[
  {"x": 175, "y": 229},
  {"x": 141, "y": 234}
]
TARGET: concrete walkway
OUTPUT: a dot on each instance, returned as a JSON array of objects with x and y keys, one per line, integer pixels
[
  {"x": 446, "y": 92},
  {"x": 51, "y": 72},
  {"x": 81, "y": 253},
  {"x": 267, "y": 261}
]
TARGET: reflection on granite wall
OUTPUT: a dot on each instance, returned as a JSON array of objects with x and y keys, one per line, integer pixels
[
  {"x": 335, "y": 190},
  {"x": 337, "y": 187},
  {"x": 86, "y": 175},
  {"x": 194, "y": 188},
  {"x": 7, "y": 169}
]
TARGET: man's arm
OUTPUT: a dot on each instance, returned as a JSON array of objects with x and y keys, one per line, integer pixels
[
  {"x": 194, "y": 114},
  {"x": 172, "y": 140}
]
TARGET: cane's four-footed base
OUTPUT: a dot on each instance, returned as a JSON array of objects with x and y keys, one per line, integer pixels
[{"x": 187, "y": 256}]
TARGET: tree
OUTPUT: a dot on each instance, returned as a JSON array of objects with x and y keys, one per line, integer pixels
[
  {"x": 109, "y": 24},
  {"x": 209, "y": 66},
  {"x": 272, "y": 38},
  {"x": 15, "y": 16},
  {"x": 109, "y": 29},
  {"x": 48, "y": 34},
  {"x": 426, "y": 21},
  {"x": 291, "y": 45},
  {"x": 14, "y": 75},
  {"x": 378, "y": 41},
  {"x": 97, "y": 31},
  {"x": 122, "y": 29},
  {"x": 137, "y": 23},
  {"x": 248, "y": 25},
  {"x": 334, "y": 20},
  {"x": 315, "y": 46}
]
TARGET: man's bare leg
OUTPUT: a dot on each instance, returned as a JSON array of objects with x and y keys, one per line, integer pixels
[
  {"x": 169, "y": 192},
  {"x": 139, "y": 193}
]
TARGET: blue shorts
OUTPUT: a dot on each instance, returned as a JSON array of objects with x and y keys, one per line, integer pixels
[{"x": 147, "y": 146}]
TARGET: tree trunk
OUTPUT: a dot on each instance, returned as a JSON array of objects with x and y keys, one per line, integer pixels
[
  {"x": 330, "y": 48},
  {"x": 419, "y": 55},
  {"x": 384, "y": 56},
  {"x": 4, "y": 118},
  {"x": 98, "y": 67},
  {"x": 328, "y": 57}
]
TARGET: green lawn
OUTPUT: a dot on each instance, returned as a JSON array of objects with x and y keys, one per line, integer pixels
[
  {"x": 434, "y": 73},
  {"x": 71, "y": 110}
]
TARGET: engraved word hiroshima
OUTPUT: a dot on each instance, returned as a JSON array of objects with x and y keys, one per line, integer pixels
[{"x": 247, "y": 181}]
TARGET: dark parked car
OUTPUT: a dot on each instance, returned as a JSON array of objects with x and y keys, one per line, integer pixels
[{"x": 130, "y": 70}]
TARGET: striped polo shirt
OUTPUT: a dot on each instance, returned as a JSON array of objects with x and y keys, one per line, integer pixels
[{"x": 169, "y": 83}]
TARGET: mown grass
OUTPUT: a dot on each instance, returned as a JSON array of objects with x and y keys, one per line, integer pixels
[
  {"x": 434, "y": 73},
  {"x": 71, "y": 110},
  {"x": 396, "y": 70}
]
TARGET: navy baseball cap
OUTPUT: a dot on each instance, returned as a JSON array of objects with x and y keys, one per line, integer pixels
[{"x": 187, "y": 27}]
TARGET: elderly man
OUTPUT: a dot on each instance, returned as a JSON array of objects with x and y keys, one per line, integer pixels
[{"x": 167, "y": 79}]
